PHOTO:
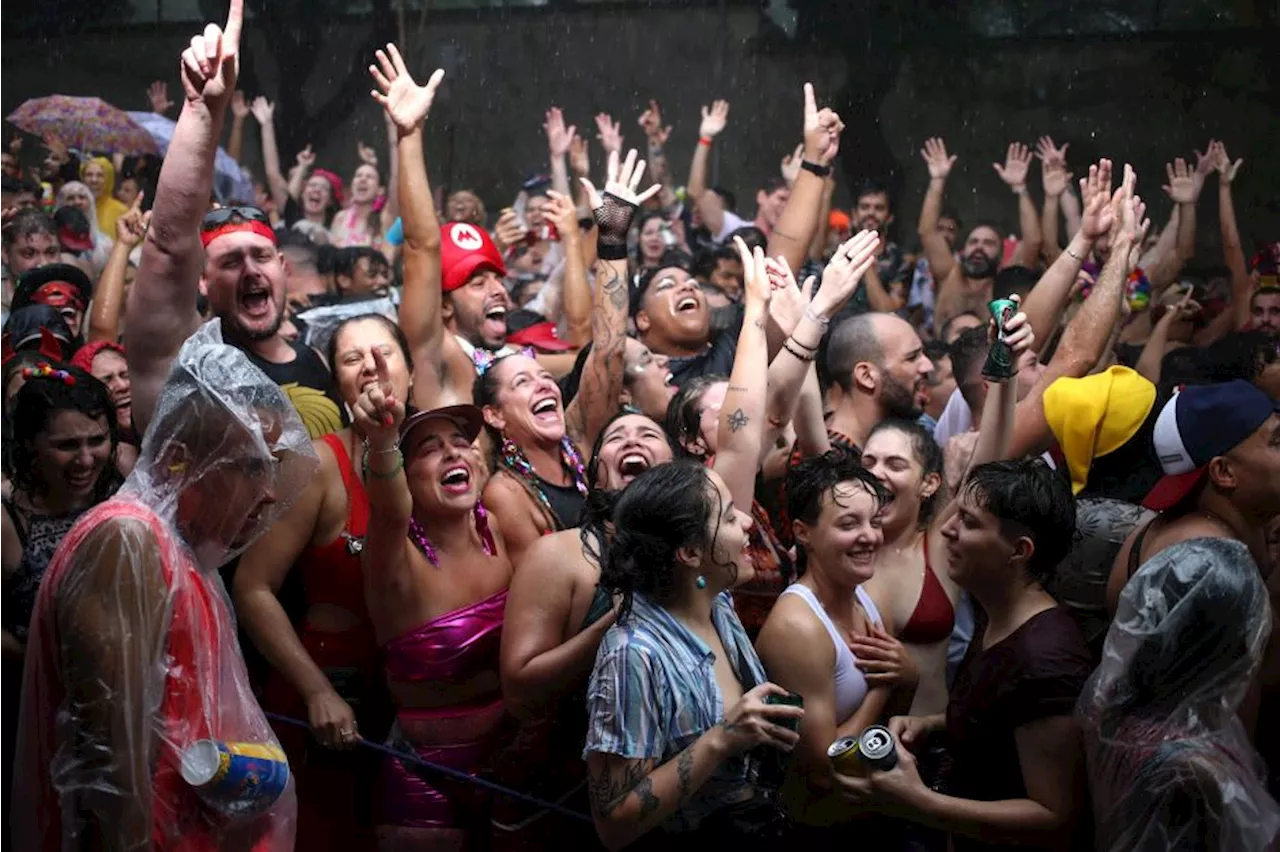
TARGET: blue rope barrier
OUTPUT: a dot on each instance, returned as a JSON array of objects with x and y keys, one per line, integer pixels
[{"x": 449, "y": 772}]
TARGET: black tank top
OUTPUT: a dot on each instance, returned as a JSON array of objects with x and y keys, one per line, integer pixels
[
  {"x": 566, "y": 502},
  {"x": 310, "y": 388}
]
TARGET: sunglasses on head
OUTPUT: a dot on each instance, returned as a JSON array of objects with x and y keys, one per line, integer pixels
[{"x": 217, "y": 218}]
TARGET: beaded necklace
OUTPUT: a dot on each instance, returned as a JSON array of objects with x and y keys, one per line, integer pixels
[
  {"x": 419, "y": 536},
  {"x": 513, "y": 458}
]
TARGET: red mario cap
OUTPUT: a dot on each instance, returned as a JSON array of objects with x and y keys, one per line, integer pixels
[{"x": 464, "y": 251}]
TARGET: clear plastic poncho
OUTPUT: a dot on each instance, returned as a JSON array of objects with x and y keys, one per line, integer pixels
[
  {"x": 138, "y": 728},
  {"x": 1170, "y": 764}
]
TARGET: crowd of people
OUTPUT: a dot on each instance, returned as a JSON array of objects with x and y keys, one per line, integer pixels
[{"x": 354, "y": 516}]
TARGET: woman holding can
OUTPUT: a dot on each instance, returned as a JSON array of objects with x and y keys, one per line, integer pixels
[{"x": 835, "y": 507}]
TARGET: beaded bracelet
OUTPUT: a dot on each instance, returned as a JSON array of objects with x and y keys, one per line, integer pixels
[{"x": 806, "y": 357}]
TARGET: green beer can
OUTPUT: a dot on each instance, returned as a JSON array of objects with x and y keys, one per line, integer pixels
[{"x": 999, "y": 363}]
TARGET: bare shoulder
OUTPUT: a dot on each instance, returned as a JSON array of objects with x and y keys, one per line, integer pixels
[{"x": 792, "y": 628}]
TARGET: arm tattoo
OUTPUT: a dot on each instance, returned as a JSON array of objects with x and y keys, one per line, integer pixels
[
  {"x": 649, "y": 801},
  {"x": 610, "y": 789},
  {"x": 684, "y": 771},
  {"x": 739, "y": 388},
  {"x": 616, "y": 289},
  {"x": 738, "y": 420}
]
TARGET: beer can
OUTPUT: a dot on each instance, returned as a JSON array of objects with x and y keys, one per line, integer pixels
[
  {"x": 843, "y": 753},
  {"x": 999, "y": 363},
  {"x": 239, "y": 777},
  {"x": 791, "y": 699},
  {"x": 875, "y": 744}
]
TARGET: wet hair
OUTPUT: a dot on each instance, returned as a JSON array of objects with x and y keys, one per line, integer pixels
[
  {"x": 968, "y": 352},
  {"x": 593, "y": 466},
  {"x": 684, "y": 414},
  {"x": 21, "y": 360},
  {"x": 634, "y": 534},
  {"x": 392, "y": 328},
  {"x": 927, "y": 453},
  {"x": 1239, "y": 355},
  {"x": 1014, "y": 279},
  {"x": 935, "y": 350},
  {"x": 946, "y": 327},
  {"x": 345, "y": 260},
  {"x": 751, "y": 235},
  {"x": 727, "y": 198},
  {"x": 873, "y": 187},
  {"x": 34, "y": 407},
  {"x": 852, "y": 341},
  {"x": 812, "y": 478},
  {"x": 706, "y": 261},
  {"x": 28, "y": 222},
  {"x": 670, "y": 260},
  {"x": 1028, "y": 498}
]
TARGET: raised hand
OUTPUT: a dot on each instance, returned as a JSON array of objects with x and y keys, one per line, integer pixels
[
  {"x": 841, "y": 276},
  {"x": 239, "y": 108},
  {"x": 404, "y": 101},
  {"x": 559, "y": 137},
  {"x": 651, "y": 123},
  {"x": 1120, "y": 198},
  {"x": 579, "y": 162},
  {"x": 1017, "y": 330},
  {"x": 609, "y": 132},
  {"x": 158, "y": 96},
  {"x": 790, "y": 167},
  {"x": 132, "y": 225},
  {"x": 1134, "y": 227},
  {"x": 263, "y": 110},
  {"x": 614, "y": 210},
  {"x": 757, "y": 288},
  {"x": 822, "y": 129},
  {"x": 211, "y": 63},
  {"x": 1181, "y": 187},
  {"x": 1204, "y": 166},
  {"x": 1053, "y": 167},
  {"x": 714, "y": 119},
  {"x": 788, "y": 302},
  {"x": 377, "y": 412},
  {"x": 1095, "y": 194},
  {"x": 935, "y": 157},
  {"x": 367, "y": 155},
  {"x": 306, "y": 158},
  {"x": 1222, "y": 162},
  {"x": 508, "y": 231},
  {"x": 1017, "y": 162},
  {"x": 563, "y": 214}
]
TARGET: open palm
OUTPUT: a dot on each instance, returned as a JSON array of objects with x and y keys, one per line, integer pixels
[{"x": 406, "y": 103}]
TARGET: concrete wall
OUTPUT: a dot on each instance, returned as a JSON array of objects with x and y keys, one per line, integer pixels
[{"x": 1130, "y": 101}]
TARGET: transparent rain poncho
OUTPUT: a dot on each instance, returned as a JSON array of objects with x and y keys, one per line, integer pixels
[
  {"x": 133, "y": 659},
  {"x": 1170, "y": 764}
]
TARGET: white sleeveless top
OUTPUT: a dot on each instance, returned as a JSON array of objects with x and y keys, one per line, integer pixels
[{"x": 851, "y": 684}]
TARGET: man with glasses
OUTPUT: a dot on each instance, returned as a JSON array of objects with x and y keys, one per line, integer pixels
[{"x": 241, "y": 270}]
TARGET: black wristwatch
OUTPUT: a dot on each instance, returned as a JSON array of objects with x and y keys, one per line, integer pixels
[{"x": 814, "y": 168}]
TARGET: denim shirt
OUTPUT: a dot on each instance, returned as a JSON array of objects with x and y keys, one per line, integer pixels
[{"x": 653, "y": 692}]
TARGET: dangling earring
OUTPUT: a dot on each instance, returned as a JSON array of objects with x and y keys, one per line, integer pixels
[{"x": 701, "y": 582}]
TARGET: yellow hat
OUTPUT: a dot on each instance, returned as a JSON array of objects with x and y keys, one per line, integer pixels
[{"x": 1096, "y": 415}]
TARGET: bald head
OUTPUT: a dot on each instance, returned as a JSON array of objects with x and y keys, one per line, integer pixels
[{"x": 896, "y": 368}]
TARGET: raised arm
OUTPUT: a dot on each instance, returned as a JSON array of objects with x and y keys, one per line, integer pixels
[
  {"x": 713, "y": 123},
  {"x": 281, "y": 190},
  {"x": 656, "y": 135},
  {"x": 1232, "y": 248},
  {"x": 239, "y": 112},
  {"x": 1055, "y": 180},
  {"x": 559, "y": 139},
  {"x": 936, "y": 250},
  {"x": 162, "y": 302},
  {"x": 1183, "y": 189},
  {"x": 995, "y": 430},
  {"x": 1047, "y": 300},
  {"x": 799, "y": 220},
  {"x": 597, "y": 397},
  {"x": 575, "y": 294},
  {"x": 1017, "y": 164},
  {"x": 806, "y": 321},
  {"x": 1085, "y": 339},
  {"x": 391, "y": 210},
  {"x": 108, "y": 296},
  {"x": 1151, "y": 359},
  {"x": 378, "y": 415},
  {"x": 742, "y": 416},
  {"x": 406, "y": 105}
]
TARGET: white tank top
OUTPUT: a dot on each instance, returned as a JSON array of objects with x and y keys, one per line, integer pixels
[{"x": 851, "y": 684}]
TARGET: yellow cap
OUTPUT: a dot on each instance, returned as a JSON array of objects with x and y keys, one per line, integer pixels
[{"x": 1096, "y": 415}]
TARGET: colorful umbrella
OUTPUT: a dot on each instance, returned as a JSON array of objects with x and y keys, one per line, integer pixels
[
  {"x": 230, "y": 181},
  {"x": 86, "y": 124}
]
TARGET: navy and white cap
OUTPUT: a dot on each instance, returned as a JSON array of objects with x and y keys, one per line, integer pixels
[{"x": 1198, "y": 424}]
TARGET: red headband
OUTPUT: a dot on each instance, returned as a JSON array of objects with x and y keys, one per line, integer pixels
[{"x": 262, "y": 229}]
